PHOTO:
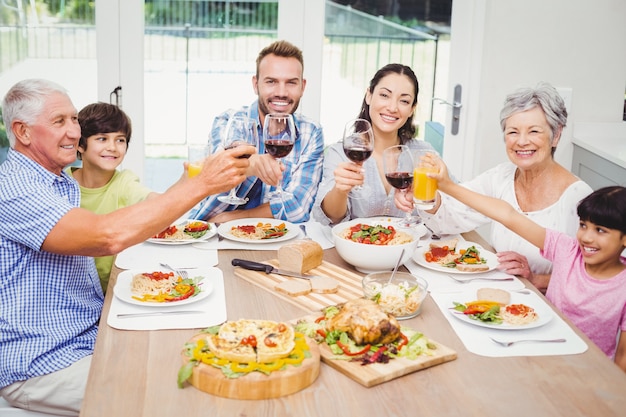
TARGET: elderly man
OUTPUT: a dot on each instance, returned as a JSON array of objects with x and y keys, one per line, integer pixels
[{"x": 50, "y": 296}]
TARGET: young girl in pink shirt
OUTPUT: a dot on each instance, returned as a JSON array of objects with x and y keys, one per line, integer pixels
[{"x": 588, "y": 282}]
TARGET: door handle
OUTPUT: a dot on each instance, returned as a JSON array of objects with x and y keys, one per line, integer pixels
[{"x": 456, "y": 108}]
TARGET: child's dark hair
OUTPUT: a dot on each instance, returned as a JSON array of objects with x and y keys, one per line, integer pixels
[
  {"x": 605, "y": 207},
  {"x": 102, "y": 118}
]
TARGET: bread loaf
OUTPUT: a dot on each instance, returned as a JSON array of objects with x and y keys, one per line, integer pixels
[
  {"x": 300, "y": 256},
  {"x": 494, "y": 294}
]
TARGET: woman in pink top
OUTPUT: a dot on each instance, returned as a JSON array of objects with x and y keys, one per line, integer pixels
[{"x": 588, "y": 282}]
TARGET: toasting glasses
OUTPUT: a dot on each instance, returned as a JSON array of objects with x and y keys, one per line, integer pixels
[
  {"x": 240, "y": 130},
  {"x": 398, "y": 165},
  {"x": 279, "y": 134},
  {"x": 358, "y": 144}
]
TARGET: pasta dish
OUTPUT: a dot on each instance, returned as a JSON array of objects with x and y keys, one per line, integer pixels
[
  {"x": 260, "y": 231},
  {"x": 161, "y": 287}
]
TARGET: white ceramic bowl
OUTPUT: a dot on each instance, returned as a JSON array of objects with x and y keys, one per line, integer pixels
[
  {"x": 372, "y": 258},
  {"x": 402, "y": 297}
]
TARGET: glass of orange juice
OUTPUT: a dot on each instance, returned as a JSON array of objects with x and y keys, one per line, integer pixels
[
  {"x": 196, "y": 156},
  {"x": 424, "y": 188}
]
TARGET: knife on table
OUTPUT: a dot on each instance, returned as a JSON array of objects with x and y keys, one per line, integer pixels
[{"x": 268, "y": 269}]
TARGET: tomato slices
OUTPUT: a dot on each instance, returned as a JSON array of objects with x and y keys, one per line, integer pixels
[{"x": 372, "y": 235}]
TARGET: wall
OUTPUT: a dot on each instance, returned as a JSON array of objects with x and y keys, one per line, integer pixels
[{"x": 573, "y": 44}]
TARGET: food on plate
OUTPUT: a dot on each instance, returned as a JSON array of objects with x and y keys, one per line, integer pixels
[
  {"x": 498, "y": 295},
  {"x": 466, "y": 260},
  {"x": 376, "y": 235},
  {"x": 360, "y": 331},
  {"x": 196, "y": 229},
  {"x": 495, "y": 309},
  {"x": 259, "y": 231},
  {"x": 244, "y": 346},
  {"x": 193, "y": 229},
  {"x": 442, "y": 251},
  {"x": 518, "y": 314},
  {"x": 163, "y": 287},
  {"x": 300, "y": 256}
]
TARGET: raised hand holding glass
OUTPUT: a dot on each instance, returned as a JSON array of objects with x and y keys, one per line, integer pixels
[
  {"x": 240, "y": 130},
  {"x": 398, "y": 166},
  {"x": 358, "y": 143}
]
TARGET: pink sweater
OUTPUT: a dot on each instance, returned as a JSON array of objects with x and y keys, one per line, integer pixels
[{"x": 597, "y": 307}]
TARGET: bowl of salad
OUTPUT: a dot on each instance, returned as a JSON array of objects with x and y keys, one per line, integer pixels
[
  {"x": 375, "y": 244},
  {"x": 401, "y": 297}
]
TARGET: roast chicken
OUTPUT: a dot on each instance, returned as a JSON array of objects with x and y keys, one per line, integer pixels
[{"x": 365, "y": 323}]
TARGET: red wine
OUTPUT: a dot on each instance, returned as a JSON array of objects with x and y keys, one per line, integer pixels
[
  {"x": 357, "y": 154},
  {"x": 234, "y": 145},
  {"x": 278, "y": 148},
  {"x": 400, "y": 180}
]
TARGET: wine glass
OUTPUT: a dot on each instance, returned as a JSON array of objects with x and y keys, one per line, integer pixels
[
  {"x": 279, "y": 134},
  {"x": 240, "y": 130},
  {"x": 358, "y": 144},
  {"x": 398, "y": 166}
]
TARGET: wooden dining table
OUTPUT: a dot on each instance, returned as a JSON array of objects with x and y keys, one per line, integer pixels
[{"x": 134, "y": 373}]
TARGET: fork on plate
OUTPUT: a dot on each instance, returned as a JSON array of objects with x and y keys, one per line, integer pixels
[{"x": 183, "y": 274}]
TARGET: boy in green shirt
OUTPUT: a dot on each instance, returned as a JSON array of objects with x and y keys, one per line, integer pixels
[{"x": 104, "y": 139}]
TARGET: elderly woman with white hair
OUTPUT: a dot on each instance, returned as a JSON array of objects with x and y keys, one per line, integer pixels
[{"x": 532, "y": 120}]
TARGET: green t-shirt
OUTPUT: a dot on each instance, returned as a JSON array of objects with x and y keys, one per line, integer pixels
[{"x": 123, "y": 190}]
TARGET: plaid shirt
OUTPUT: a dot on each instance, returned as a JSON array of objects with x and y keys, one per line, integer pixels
[
  {"x": 301, "y": 176},
  {"x": 49, "y": 304}
]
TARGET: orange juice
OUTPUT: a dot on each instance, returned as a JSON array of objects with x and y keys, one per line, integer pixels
[
  {"x": 194, "y": 169},
  {"x": 424, "y": 188}
]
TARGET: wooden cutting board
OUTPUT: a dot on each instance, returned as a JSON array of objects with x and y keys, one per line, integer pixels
[
  {"x": 349, "y": 285},
  {"x": 377, "y": 373},
  {"x": 256, "y": 385}
]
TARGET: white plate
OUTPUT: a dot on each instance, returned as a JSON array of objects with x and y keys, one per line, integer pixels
[
  {"x": 490, "y": 257},
  {"x": 125, "y": 278},
  {"x": 544, "y": 312},
  {"x": 225, "y": 228},
  {"x": 209, "y": 234}
]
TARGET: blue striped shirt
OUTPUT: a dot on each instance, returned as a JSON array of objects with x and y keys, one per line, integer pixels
[
  {"x": 301, "y": 177},
  {"x": 49, "y": 304}
]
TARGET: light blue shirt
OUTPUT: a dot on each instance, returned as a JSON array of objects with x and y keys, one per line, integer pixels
[
  {"x": 300, "y": 178},
  {"x": 49, "y": 304}
]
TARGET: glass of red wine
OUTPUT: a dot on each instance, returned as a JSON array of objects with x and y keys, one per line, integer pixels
[
  {"x": 358, "y": 145},
  {"x": 279, "y": 134},
  {"x": 240, "y": 130},
  {"x": 398, "y": 166}
]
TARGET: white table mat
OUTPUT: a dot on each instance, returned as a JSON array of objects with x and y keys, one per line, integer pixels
[
  {"x": 316, "y": 231},
  {"x": 148, "y": 256},
  {"x": 213, "y": 310},
  {"x": 476, "y": 339}
]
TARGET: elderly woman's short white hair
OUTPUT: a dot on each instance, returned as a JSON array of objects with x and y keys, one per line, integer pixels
[{"x": 544, "y": 96}]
